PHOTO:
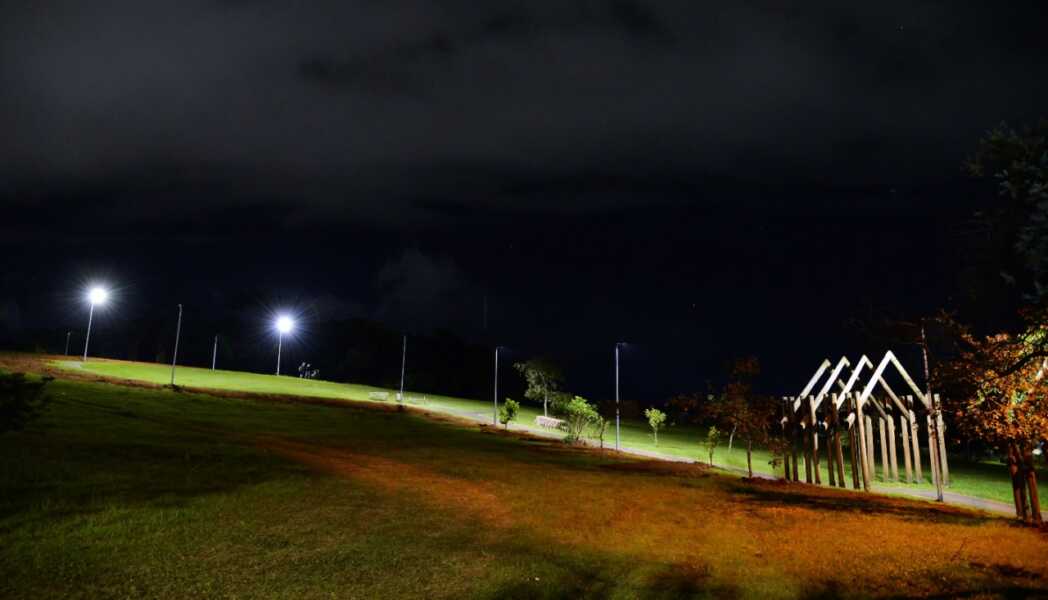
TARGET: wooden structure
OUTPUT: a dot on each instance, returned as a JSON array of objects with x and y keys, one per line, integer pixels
[{"x": 855, "y": 401}]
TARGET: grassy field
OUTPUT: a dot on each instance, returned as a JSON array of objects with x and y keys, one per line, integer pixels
[
  {"x": 126, "y": 492},
  {"x": 981, "y": 480}
]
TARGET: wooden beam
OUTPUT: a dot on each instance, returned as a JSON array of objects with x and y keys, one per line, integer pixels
[
  {"x": 863, "y": 455},
  {"x": 941, "y": 428},
  {"x": 904, "y": 431},
  {"x": 915, "y": 438},
  {"x": 883, "y": 430},
  {"x": 892, "y": 456}
]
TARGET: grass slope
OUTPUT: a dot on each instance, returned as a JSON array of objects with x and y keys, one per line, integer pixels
[
  {"x": 981, "y": 480},
  {"x": 130, "y": 492}
]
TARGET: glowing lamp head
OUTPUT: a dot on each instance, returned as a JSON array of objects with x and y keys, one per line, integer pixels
[
  {"x": 97, "y": 295},
  {"x": 285, "y": 324}
]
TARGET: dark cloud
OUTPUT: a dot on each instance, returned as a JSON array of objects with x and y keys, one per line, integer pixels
[{"x": 378, "y": 110}]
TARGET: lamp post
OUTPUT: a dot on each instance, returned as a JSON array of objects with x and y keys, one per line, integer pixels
[
  {"x": 284, "y": 325},
  {"x": 174, "y": 355},
  {"x": 97, "y": 295},
  {"x": 69, "y": 334},
  {"x": 617, "y": 346},
  {"x": 403, "y": 365},
  {"x": 495, "y": 415},
  {"x": 214, "y": 353}
]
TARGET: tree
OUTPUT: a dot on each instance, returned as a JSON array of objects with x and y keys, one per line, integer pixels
[
  {"x": 508, "y": 411},
  {"x": 21, "y": 400},
  {"x": 656, "y": 419},
  {"x": 1011, "y": 234},
  {"x": 742, "y": 411},
  {"x": 713, "y": 436},
  {"x": 579, "y": 414},
  {"x": 998, "y": 391},
  {"x": 543, "y": 379}
]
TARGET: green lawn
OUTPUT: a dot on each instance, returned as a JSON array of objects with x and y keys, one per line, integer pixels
[
  {"x": 125, "y": 492},
  {"x": 980, "y": 480}
]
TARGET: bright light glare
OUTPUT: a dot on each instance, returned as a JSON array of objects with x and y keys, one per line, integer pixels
[
  {"x": 97, "y": 295},
  {"x": 285, "y": 324}
]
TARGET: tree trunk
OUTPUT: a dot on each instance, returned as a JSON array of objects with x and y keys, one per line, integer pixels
[
  {"x": 656, "y": 433},
  {"x": 1018, "y": 493},
  {"x": 545, "y": 403},
  {"x": 749, "y": 457},
  {"x": 1030, "y": 477},
  {"x": 940, "y": 428},
  {"x": 786, "y": 463},
  {"x": 731, "y": 438}
]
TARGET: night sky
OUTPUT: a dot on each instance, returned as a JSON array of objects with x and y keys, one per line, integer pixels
[{"x": 703, "y": 180}]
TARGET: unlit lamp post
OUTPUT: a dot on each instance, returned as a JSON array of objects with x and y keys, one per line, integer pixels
[
  {"x": 174, "y": 355},
  {"x": 284, "y": 325},
  {"x": 617, "y": 346},
  {"x": 96, "y": 295}
]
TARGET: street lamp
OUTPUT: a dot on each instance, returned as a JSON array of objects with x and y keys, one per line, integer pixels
[
  {"x": 617, "y": 346},
  {"x": 495, "y": 415},
  {"x": 96, "y": 295},
  {"x": 284, "y": 325}
]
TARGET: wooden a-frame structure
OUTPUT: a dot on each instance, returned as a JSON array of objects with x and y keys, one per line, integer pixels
[{"x": 808, "y": 414}]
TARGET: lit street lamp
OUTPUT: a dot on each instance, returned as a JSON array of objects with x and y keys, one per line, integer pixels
[
  {"x": 96, "y": 295},
  {"x": 284, "y": 325}
]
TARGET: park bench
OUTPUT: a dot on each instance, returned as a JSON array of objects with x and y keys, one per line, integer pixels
[
  {"x": 549, "y": 422},
  {"x": 381, "y": 396}
]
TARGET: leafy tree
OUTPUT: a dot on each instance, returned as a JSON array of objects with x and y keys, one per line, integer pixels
[
  {"x": 656, "y": 419},
  {"x": 579, "y": 414},
  {"x": 508, "y": 411},
  {"x": 1011, "y": 235},
  {"x": 21, "y": 400},
  {"x": 997, "y": 389},
  {"x": 600, "y": 428},
  {"x": 543, "y": 378},
  {"x": 713, "y": 436}
]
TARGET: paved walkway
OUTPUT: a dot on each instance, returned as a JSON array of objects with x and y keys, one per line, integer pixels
[{"x": 991, "y": 506}]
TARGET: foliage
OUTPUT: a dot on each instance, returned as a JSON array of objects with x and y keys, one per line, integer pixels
[
  {"x": 579, "y": 415},
  {"x": 713, "y": 436},
  {"x": 543, "y": 378},
  {"x": 1018, "y": 162},
  {"x": 656, "y": 419},
  {"x": 508, "y": 411},
  {"x": 21, "y": 400},
  {"x": 998, "y": 392},
  {"x": 600, "y": 428}
]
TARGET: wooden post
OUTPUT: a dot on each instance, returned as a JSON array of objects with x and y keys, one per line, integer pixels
[
  {"x": 837, "y": 453},
  {"x": 793, "y": 438},
  {"x": 863, "y": 454},
  {"x": 892, "y": 456},
  {"x": 941, "y": 429},
  {"x": 904, "y": 429},
  {"x": 933, "y": 451},
  {"x": 853, "y": 447},
  {"x": 916, "y": 442},
  {"x": 807, "y": 457},
  {"x": 871, "y": 449},
  {"x": 786, "y": 437},
  {"x": 883, "y": 431},
  {"x": 814, "y": 441}
]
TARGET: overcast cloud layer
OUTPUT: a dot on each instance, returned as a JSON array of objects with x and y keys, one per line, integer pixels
[{"x": 400, "y": 110}]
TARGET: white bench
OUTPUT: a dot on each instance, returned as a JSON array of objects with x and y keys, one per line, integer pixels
[
  {"x": 549, "y": 422},
  {"x": 381, "y": 396}
]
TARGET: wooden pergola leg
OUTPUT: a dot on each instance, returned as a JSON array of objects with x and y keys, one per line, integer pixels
[
  {"x": 904, "y": 430},
  {"x": 943, "y": 464},
  {"x": 814, "y": 441},
  {"x": 933, "y": 450},
  {"x": 807, "y": 457},
  {"x": 914, "y": 437},
  {"x": 871, "y": 449},
  {"x": 863, "y": 454},
  {"x": 893, "y": 459},
  {"x": 882, "y": 430},
  {"x": 853, "y": 447}
]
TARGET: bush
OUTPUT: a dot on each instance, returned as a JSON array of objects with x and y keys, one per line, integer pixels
[
  {"x": 21, "y": 400},
  {"x": 579, "y": 415},
  {"x": 508, "y": 411},
  {"x": 656, "y": 419}
]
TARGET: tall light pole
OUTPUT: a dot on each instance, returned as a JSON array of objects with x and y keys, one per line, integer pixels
[
  {"x": 97, "y": 295},
  {"x": 69, "y": 334},
  {"x": 284, "y": 325},
  {"x": 214, "y": 353},
  {"x": 495, "y": 415},
  {"x": 617, "y": 346},
  {"x": 174, "y": 355},
  {"x": 403, "y": 365}
]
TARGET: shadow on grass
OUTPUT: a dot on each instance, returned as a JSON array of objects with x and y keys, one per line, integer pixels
[{"x": 774, "y": 493}]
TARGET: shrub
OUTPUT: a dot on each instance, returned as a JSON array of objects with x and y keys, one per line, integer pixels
[
  {"x": 21, "y": 400},
  {"x": 656, "y": 419},
  {"x": 508, "y": 411},
  {"x": 579, "y": 415}
]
